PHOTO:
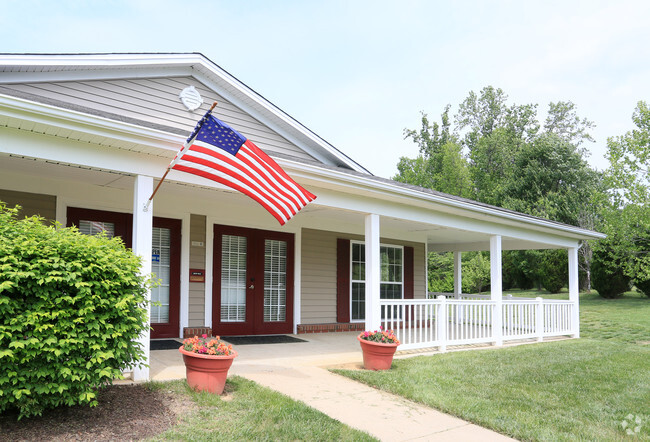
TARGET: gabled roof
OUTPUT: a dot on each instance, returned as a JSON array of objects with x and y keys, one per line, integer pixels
[{"x": 21, "y": 68}]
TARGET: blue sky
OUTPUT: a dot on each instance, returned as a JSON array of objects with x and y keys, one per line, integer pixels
[{"x": 358, "y": 72}]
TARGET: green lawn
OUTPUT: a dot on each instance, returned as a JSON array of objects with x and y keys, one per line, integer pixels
[
  {"x": 252, "y": 412},
  {"x": 568, "y": 390}
]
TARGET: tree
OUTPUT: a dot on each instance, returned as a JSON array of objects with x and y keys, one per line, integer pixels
[
  {"x": 440, "y": 164},
  {"x": 563, "y": 121},
  {"x": 627, "y": 222},
  {"x": 629, "y": 159}
]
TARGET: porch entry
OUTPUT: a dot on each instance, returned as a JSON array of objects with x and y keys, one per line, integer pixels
[
  {"x": 253, "y": 281},
  {"x": 165, "y": 259}
]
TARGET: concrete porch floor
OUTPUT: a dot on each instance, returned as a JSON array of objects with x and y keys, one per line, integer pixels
[{"x": 299, "y": 370}]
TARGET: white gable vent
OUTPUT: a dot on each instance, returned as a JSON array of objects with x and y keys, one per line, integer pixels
[{"x": 191, "y": 98}]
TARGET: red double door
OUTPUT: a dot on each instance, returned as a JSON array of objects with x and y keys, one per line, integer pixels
[
  {"x": 253, "y": 281},
  {"x": 165, "y": 257}
]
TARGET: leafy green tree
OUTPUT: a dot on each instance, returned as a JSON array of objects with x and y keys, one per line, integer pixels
[
  {"x": 627, "y": 222},
  {"x": 441, "y": 272},
  {"x": 440, "y": 164},
  {"x": 563, "y": 120},
  {"x": 476, "y": 272},
  {"x": 629, "y": 159},
  {"x": 512, "y": 162}
]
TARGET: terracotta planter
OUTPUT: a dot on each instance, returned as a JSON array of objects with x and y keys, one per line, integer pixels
[
  {"x": 206, "y": 373},
  {"x": 377, "y": 356}
]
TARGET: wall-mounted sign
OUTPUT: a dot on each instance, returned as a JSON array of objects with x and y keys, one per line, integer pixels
[{"x": 197, "y": 275}]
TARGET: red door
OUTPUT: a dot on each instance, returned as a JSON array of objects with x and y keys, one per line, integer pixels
[
  {"x": 253, "y": 282},
  {"x": 166, "y": 250}
]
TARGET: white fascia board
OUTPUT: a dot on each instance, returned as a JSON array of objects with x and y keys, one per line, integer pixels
[
  {"x": 88, "y": 124},
  {"x": 408, "y": 196},
  {"x": 94, "y": 60}
]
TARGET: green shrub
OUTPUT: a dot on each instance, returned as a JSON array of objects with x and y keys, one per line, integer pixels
[
  {"x": 70, "y": 311},
  {"x": 643, "y": 287},
  {"x": 554, "y": 270},
  {"x": 608, "y": 276}
]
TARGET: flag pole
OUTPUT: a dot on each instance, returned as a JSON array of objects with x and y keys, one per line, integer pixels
[{"x": 148, "y": 203}]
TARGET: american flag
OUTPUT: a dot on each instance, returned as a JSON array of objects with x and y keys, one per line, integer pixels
[{"x": 218, "y": 152}]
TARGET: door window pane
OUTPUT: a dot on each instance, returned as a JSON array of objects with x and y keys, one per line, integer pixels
[
  {"x": 275, "y": 280},
  {"x": 160, "y": 266},
  {"x": 95, "y": 227},
  {"x": 233, "y": 278}
]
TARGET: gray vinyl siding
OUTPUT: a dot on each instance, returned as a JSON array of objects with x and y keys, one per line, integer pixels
[
  {"x": 156, "y": 100},
  {"x": 31, "y": 203},
  {"x": 318, "y": 277},
  {"x": 197, "y": 261}
]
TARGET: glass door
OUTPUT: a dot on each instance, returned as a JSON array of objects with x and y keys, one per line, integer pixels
[{"x": 252, "y": 288}]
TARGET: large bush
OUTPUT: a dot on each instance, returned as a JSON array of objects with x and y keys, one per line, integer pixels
[
  {"x": 554, "y": 270},
  {"x": 71, "y": 308},
  {"x": 608, "y": 276},
  {"x": 643, "y": 287}
]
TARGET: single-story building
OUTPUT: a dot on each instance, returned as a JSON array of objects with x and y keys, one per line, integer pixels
[{"x": 84, "y": 138}]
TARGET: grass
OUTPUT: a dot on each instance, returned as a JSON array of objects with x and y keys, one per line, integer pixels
[
  {"x": 252, "y": 412},
  {"x": 566, "y": 390}
]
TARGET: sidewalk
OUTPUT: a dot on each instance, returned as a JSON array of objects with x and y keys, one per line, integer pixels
[{"x": 299, "y": 371}]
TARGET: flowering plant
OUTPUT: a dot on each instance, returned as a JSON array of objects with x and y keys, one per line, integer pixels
[
  {"x": 382, "y": 336},
  {"x": 207, "y": 346}
]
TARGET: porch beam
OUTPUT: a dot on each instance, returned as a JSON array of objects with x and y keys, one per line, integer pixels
[
  {"x": 458, "y": 277},
  {"x": 142, "y": 237},
  {"x": 574, "y": 292},
  {"x": 496, "y": 292},
  {"x": 373, "y": 269}
]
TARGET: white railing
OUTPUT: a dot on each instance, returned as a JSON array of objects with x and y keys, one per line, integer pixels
[
  {"x": 520, "y": 318},
  {"x": 422, "y": 323},
  {"x": 470, "y": 322},
  {"x": 413, "y": 321},
  {"x": 557, "y": 317}
]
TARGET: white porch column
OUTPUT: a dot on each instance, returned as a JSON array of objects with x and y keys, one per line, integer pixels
[
  {"x": 574, "y": 291},
  {"x": 297, "y": 293},
  {"x": 496, "y": 294},
  {"x": 142, "y": 237},
  {"x": 458, "y": 277},
  {"x": 373, "y": 268}
]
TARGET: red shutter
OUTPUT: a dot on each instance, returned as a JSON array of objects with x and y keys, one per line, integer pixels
[
  {"x": 342, "y": 280},
  {"x": 408, "y": 273}
]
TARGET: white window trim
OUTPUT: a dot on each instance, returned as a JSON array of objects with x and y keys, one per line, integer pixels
[{"x": 395, "y": 246}]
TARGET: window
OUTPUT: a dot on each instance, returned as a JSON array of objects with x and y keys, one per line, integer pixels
[{"x": 391, "y": 271}]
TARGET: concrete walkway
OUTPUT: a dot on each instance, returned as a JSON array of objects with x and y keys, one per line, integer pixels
[{"x": 299, "y": 370}]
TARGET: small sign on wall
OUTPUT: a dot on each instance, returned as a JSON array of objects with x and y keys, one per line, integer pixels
[{"x": 197, "y": 275}]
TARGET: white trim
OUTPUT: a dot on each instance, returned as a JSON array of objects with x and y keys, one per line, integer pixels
[
  {"x": 141, "y": 245},
  {"x": 184, "y": 306},
  {"x": 209, "y": 274},
  {"x": 496, "y": 292},
  {"x": 574, "y": 290},
  {"x": 401, "y": 284},
  {"x": 297, "y": 279},
  {"x": 373, "y": 271},
  {"x": 458, "y": 274}
]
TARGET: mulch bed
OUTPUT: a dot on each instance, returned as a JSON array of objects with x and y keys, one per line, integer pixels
[{"x": 125, "y": 412}]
